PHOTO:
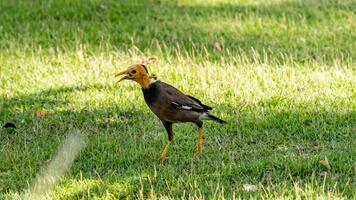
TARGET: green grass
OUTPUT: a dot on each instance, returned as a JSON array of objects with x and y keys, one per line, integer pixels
[{"x": 281, "y": 72}]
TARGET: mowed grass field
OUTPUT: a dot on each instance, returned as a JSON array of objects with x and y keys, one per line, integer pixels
[{"x": 281, "y": 72}]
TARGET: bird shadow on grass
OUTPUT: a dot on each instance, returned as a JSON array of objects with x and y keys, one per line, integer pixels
[{"x": 125, "y": 143}]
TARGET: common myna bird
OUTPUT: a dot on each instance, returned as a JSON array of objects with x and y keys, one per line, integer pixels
[{"x": 169, "y": 104}]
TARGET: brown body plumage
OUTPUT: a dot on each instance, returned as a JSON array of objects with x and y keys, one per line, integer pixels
[
  {"x": 163, "y": 100},
  {"x": 169, "y": 104}
]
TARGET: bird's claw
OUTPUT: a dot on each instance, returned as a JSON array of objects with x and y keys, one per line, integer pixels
[
  {"x": 198, "y": 150},
  {"x": 165, "y": 151},
  {"x": 163, "y": 157}
]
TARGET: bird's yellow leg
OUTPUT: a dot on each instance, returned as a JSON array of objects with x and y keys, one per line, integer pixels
[
  {"x": 165, "y": 151},
  {"x": 198, "y": 150}
]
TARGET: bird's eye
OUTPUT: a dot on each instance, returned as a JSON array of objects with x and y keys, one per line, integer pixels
[{"x": 133, "y": 71}]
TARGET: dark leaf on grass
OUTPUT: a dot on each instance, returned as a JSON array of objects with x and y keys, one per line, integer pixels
[{"x": 9, "y": 125}]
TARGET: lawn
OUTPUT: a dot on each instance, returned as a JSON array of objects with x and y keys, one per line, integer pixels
[{"x": 281, "y": 72}]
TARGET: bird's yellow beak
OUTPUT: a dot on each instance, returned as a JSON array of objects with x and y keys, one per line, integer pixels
[{"x": 125, "y": 72}]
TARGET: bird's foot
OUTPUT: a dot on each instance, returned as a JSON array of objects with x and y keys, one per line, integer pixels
[
  {"x": 165, "y": 151},
  {"x": 198, "y": 150},
  {"x": 163, "y": 157}
]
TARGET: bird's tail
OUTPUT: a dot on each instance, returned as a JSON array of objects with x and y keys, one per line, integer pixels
[{"x": 212, "y": 117}]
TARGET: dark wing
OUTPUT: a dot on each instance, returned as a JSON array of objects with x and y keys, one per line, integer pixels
[
  {"x": 199, "y": 102},
  {"x": 182, "y": 101},
  {"x": 186, "y": 107}
]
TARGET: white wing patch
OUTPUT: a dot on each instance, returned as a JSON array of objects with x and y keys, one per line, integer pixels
[
  {"x": 180, "y": 106},
  {"x": 186, "y": 107}
]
